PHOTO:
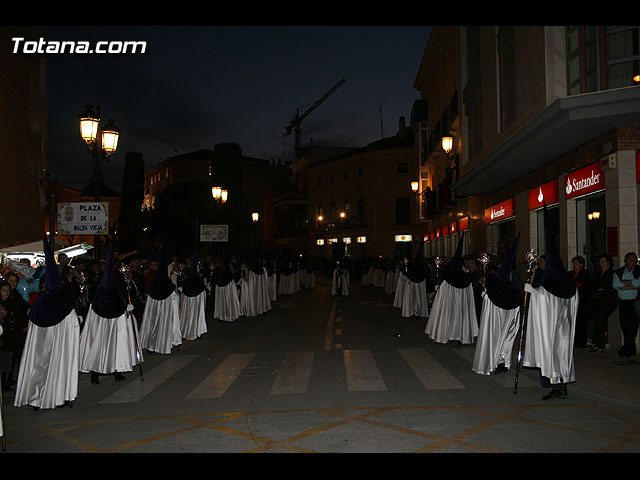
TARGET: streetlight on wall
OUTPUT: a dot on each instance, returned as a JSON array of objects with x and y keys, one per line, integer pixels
[
  {"x": 102, "y": 142},
  {"x": 255, "y": 217}
]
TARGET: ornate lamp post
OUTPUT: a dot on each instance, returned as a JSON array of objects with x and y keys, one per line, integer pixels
[{"x": 102, "y": 142}]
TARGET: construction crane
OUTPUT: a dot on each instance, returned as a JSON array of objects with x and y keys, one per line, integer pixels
[{"x": 297, "y": 120}]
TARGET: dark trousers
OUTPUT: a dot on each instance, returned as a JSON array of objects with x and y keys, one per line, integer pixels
[
  {"x": 601, "y": 324},
  {"x": 629, "y": 326}
]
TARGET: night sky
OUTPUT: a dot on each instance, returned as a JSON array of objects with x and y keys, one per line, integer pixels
[{"x": 198, "y": 86}]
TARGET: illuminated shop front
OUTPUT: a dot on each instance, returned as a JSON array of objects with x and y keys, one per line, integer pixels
[
  {"x": 501, "y": 226},
  {"x": 584, "y": 191},
  {"x": 548, "y": 194}
]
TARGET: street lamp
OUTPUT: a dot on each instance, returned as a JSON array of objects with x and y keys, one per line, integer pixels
[
  {"x": 224, "y": 194},
  {"x": 255, "y": 216},
  {"x": 102, "y": 142},
  {"x": 216, "y": 192},
  {"x": 414, "y": 186}
]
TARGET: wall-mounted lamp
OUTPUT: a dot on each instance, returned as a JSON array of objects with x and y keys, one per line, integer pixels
[
  {"x": 447, "y": 143},
  {"x": 255, "y": 216},
  {"x": 216, "y": 192}
]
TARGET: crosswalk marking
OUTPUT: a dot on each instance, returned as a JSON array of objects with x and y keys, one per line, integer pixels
[
  {"x": 430, "y": 372},
  {"x": 222, "y": 377},
  {"x": 362, "y": 372},
  {"x": 136, "y": 390},
  {"x": 293, "y": 376}
]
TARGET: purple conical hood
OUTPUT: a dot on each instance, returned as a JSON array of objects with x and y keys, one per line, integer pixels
[
  {"x": 106, "y": 301},
  {"x": 501, "y": 291},
  {"x": 52, "y": 306}
]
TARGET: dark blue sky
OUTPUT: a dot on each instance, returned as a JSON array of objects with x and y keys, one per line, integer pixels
[{"x": 198, "y": 86}]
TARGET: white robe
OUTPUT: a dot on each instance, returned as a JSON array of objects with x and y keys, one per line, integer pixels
[
  {"x": 378, "y": 277},
  {"x": 414, "y": 300},
  {"x": 272, "y": 282},
  {"x": 453, "y": 315},
  {"x": 551, "y": 323},
  {"x": 109, "y": 345},
  {"x": 401, "y": 282},
  {"x": 160, "y": 329},
  {"x": 341, "y": 280},
  {"x": 498, "y": 330},
  {"x": 390, "y": 282},
  {"x": 193, "y": 323},
  {"x": 226, "y": 303},
  {"x": 48, "y": 375},
  {"x": 257, "y": 300}
]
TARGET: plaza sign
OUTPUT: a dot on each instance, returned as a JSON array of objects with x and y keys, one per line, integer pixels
[
  {"x": 585, "y": 180},
  {"x": 83, "y": 218}
]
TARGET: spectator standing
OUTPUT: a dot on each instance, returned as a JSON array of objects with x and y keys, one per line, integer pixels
[
  {"x": 626, "y": 281},
  {"x": 606, "y": 302},
  {"x": 582, "y": 279}
]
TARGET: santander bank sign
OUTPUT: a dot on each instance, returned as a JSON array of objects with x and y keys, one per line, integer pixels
[{"x": 586, "y": 180}]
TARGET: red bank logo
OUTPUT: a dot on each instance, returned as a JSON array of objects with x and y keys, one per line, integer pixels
[{"x": 585, "y": 180}]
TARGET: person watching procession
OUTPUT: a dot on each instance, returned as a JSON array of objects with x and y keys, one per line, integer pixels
[{"x": 626, "y": 281}]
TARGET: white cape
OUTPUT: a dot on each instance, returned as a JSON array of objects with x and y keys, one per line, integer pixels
[
  {"x": 226, "y": 303},
  {"x": 257, "y": 300},
  {"x": 453, "y": 315},
  {"x": 160, "y": 329},
  {"x": 551, "y": 323},
  {"x": 48, "y": 375},
  {"x": 108, "y": 345},
  {"x": 498, "y": 330},
  {"x": 340, "y": 280},
  {"x": 414, "y": 299},
  {"x": 193, "y": 323}
]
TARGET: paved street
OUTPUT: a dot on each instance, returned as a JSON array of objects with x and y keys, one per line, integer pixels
[{"x": 334, "y": 375}]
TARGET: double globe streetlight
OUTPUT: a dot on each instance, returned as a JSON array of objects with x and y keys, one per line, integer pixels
[{"x": 102, "y": 142}]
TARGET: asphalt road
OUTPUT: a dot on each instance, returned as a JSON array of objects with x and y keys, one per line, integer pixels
[{"x": 323, "y": 374}]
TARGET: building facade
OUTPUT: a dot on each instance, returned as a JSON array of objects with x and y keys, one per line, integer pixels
[
  {"x": 23, "y": 132},
  {"x": 544, "y": 114},
  {"x": 360, "y": 201}
]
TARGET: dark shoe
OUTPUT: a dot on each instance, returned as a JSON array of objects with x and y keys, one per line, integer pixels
[
  {"x": 500, "y": 369},
  {"x": 118, "y": 376},
  {"x": 555, "y": 394},
  {"x": 94, "y": 378}
]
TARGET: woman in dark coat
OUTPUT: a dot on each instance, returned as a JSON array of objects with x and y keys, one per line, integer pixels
[
  {"x": 606, "y": 301},
  {"x": 582, "y": 279},
  {"x": 13, "y": 316}
]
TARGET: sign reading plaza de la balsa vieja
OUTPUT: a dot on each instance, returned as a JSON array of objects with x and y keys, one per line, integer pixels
[{"x": 83, "y": 218}]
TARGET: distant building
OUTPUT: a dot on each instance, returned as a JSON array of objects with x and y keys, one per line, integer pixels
[
  {"x": 360, "y": 201},
  {"x": 23, "y": 130}
]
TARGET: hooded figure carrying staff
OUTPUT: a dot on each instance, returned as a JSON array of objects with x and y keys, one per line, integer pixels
[
  {"x": 453, "y": 313},
  {"x": 193, "y": 322},
  {"x": 160, "y": 329},
  {"x": 48, "y": 375},
  {"x": 553, "y": 309},
  {"x": 109, "y": 339},
  {"x": 501, "y": 303}
]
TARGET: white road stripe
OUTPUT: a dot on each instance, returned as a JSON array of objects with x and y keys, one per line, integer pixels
[
  {"x": 362, "y": 371},
  {"x": 506, "y": 379},
  {"x": 218, "y": 381},
  {"x": 136, "y": 390},
  {"x": 430, "y": 372},
  {"x": 293, "y": 376}
]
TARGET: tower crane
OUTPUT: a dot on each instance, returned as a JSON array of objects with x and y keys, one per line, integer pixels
[{"x": 297, "y": 120}]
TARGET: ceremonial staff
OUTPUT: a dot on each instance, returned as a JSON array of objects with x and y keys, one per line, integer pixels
[
  {"x": 530, "y": 258},
  {"x": 438, "y": 262},
  {"x": 484, "y": 259},
  {"x": 124, "y": 269}
]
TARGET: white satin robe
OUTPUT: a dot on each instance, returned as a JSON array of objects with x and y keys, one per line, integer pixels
[
  {"x": 498, "y": 330},
  {"x": 48, "y": 374},
  {"x": 453, "y": 315},
  {"x": 551, "y": 323},
  {"x": 227, "y": 303},
  {"x": 160, "y": 329},
  {"x": 109, "y": 345},
  {"x": 193, "y": 323}
]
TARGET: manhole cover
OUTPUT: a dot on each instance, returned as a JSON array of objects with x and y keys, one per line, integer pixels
[{"x": 251, "y": 371}]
